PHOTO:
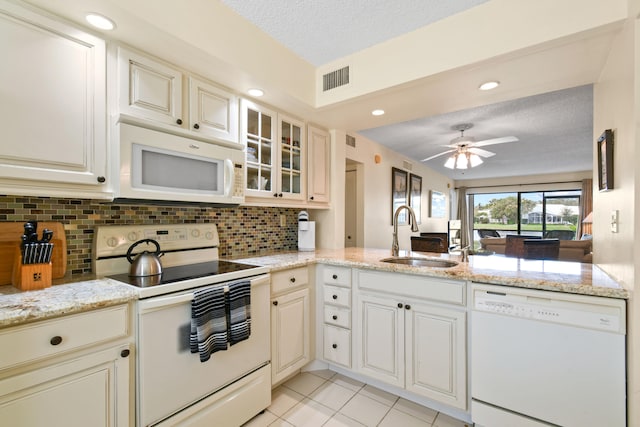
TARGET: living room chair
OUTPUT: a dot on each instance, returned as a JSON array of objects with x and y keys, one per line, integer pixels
[
  {"x": 488, "y": 233},
  {"x": 560, "y": 234}
]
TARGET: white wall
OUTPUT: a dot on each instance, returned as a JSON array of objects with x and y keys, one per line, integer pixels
[
  {"x": 615, "y": 107},
  {"x": 377, "y": 228}
]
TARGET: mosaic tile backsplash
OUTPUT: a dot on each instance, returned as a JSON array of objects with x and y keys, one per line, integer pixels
[{"x": 243, "y": 230}]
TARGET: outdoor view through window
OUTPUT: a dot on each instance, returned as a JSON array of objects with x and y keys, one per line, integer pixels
[{"x": 552, "y": 214}]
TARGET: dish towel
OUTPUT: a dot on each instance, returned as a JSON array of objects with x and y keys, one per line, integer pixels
[
  {"x": 209, "y": 327},
  {"x": 239, "y": 298}
]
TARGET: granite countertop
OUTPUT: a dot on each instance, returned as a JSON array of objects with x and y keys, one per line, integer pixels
[
  {"x": 83, "y": 293},
  {"x": 560, "y": 276}
]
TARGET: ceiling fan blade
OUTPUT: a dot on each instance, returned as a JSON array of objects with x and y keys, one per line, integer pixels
[
  {"x": 437, "y": 155},
  {"x": 492, "y": 141},
  {"x": 480, "y": 152}
]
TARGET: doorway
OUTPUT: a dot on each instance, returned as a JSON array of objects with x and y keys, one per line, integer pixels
[{"x": 353, "y": 205}]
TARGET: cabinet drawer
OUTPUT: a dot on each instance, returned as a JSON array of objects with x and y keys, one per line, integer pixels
[
  {"x": 337, "y": 316},
  {"x": 337, "y": 296},
  {"x": 338, "y": 276},
  {"x": 28, "y": 343},
  {"x": 337, "y": 345},
  {"x": 282, "y": 281}
]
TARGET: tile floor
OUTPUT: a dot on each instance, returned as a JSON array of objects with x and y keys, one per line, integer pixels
[{"x": 325, "y": 398}]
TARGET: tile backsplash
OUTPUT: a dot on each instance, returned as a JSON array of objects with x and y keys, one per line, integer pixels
[{"x": 244, "y": 231}]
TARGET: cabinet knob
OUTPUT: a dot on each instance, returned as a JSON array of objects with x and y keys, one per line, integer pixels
[
  {"x": 124, "y": 353},
  {"x": 101, "y": 179},
  {"x": 335, "y": 346},
  {"x": 311, "y": 198},
  {"x": 335, "y": 276},
  {"x": 179, "y": 121},
  {"x": 407, "y": 307},
  {"x": 292, "y": 280},
  {"x": 275, "y": 194},
  {"x": 56, "y": 340},
  {"x": 400, "y": 305},
  {"x": 196, "y": 126},
  {"x": 279, "y": 194},
  {"x": 275, "y": 303},
  {"x": 334, "y": 317},
  {"x": 335, "y": 296}
]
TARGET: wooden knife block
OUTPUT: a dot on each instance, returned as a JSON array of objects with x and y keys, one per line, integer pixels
[{"x": 29, "y": 277}]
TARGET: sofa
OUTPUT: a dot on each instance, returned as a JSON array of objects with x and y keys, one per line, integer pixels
[{"x": 570, "y": 250}]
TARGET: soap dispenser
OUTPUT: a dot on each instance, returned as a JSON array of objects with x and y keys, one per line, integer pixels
[{"x": 306, "y": 232}]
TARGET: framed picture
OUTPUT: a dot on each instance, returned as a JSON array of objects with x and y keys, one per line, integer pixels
[
  {"x": 605, "y": 161},
  {"x": 415, "y": 196},
  {"x": 438, "y": 204},
  {"x": 399, "y": 187}
]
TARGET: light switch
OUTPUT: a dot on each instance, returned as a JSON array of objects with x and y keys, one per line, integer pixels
[{"x": 614, "y": 221}]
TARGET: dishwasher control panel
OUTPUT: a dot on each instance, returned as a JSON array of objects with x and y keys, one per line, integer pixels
[{"x": 598, "y": 313}]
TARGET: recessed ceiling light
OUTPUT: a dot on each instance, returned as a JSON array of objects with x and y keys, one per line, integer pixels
[
  {"x": 255, "y": 92},
  {"x": 489, "y": 85},
  {"x": 99, "y": 21},
  {"x": 377, "y": 112}
]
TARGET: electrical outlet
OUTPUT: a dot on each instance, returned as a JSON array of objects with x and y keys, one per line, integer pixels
[
  {"x": 283, "y": 220},
  {"x": 614, "y": 221}
]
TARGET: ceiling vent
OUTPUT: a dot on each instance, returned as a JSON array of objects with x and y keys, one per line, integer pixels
[
  {"x": 335, "y": 79},
  {"x": 351, "y": 141}
]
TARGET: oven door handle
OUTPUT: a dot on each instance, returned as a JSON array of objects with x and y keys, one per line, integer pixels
[{"x": 158, "y": 303}]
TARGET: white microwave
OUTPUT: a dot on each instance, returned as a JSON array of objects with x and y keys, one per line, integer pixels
[{"x": 158, "y": 166}]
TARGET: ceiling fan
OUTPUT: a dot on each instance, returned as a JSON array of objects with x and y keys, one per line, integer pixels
[{"x": 465, "y": 148}]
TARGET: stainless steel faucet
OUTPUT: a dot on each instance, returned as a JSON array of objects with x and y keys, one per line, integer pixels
[{"x": 395, "y": 248}]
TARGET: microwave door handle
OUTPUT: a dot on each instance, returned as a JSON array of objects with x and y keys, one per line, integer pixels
[{"x": 228, "y": 177}]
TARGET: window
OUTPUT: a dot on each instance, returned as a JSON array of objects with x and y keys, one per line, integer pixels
[{"x": 534, "y": 213}]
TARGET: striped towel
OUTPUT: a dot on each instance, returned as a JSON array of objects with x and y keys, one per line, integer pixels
[
  {"x": 209, "y": 327},
  {"x": 239, "y": 298}
]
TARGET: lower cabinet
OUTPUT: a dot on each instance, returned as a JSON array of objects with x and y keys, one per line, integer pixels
[
  {"x": 412, "y": 344},
  {"x": 91, "y": 390},
  {"x": 290, "y": 333}
]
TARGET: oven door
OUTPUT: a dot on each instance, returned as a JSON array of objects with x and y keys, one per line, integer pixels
[{"x": 170, "y": 377}]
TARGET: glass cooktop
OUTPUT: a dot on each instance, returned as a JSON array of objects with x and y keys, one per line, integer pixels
[{"x": 183, "y": 272}]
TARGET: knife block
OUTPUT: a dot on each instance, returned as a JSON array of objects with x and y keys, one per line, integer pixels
[{"x": 29, "y": 277}]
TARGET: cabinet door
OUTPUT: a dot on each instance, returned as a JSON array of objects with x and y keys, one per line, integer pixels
[
  {"x": 291, "y": 159},
  {"x": 258, "y": 134},
  {"x": 319, "y": 165},
  {"x": 213, "y": 111},
  {"x": 91, "y": 390},
  {"x": 53, "y": 109},
  {"x": 290, "y": 333},
  {"x": 436, "y": 354},
  {"x": 149, "y": 89},
  {"x": 379, "y": 343}
]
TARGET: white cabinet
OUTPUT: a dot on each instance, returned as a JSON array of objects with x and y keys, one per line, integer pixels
[
  {"x": 275, "y": 147},
  {"x": 152, "y": 90},
  {"x": 71, "y": 371},
  {"x": 53, "y": 109},
  {"x": 290, "y": 323},
  {"x": 336, "y": 307},
  {"x": 416, "y": 343},
  {"x": 319, "y": 148}
]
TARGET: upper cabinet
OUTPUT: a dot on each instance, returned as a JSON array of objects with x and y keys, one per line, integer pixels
[
  {"x": 53, "y": 109},
  {"x": 152, "y": 90},
  {"x": 275, "y": 154},
  {"x": 319, "y": 165}
]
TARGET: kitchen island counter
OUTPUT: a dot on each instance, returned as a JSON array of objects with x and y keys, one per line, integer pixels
[{"x": 559, "y": 276}]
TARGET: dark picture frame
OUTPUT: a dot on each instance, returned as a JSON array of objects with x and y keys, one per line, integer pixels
[
  {"x": 415, "y": 196},
  {"x": 399, "y": 191},
  {"x": 605, "y": 161}
]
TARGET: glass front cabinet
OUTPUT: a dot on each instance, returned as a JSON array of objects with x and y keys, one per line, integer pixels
[{"x": 274, "y": 153}]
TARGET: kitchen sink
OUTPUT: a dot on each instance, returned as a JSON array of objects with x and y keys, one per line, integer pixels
[{"x": 421, "y": 262}]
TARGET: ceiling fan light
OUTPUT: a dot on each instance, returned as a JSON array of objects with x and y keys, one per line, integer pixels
[
  {"x": 451, "y": 162},
  {"x": 462, "y": 162},
  {"x": 474, "y": 160}
]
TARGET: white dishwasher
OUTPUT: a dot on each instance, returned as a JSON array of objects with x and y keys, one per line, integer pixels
[{"x": 543, "y": 358}]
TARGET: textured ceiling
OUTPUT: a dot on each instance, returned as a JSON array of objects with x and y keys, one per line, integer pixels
[
  {"x": 555, "y": 132},
  {"x": 321, "y": 31}
]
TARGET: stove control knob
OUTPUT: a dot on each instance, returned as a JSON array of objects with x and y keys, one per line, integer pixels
[
  {"x": 195, "y": 233},
  {"x": 133, "y": 236},
  {"x": 112, "y": 242},
  {"x": 208, "y": 235}
]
